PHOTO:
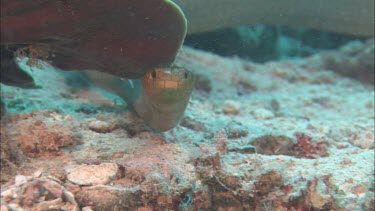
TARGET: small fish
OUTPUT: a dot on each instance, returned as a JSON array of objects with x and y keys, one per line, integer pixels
[{"x": 159, "y": 98}]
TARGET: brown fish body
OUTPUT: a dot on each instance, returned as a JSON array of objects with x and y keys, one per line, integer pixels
[{"x": 120, "y": 37}]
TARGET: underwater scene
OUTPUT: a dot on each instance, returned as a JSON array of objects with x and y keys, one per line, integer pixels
[{"x": 191, "y": 105}]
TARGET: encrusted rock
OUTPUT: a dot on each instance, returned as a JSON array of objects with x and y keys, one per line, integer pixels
[
  {"x": 42, "y": 136},
  {"x": 92, "y": 174}
]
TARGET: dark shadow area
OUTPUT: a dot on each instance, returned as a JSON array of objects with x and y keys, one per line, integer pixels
[{"x": 263, "y": 43}]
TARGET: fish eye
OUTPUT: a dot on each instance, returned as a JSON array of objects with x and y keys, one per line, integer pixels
[
  {"x": 153, "y": 74},
  {"x": 186, "y": 75}
]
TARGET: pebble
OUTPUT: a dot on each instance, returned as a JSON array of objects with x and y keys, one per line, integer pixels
[
  {"x": 15, "y": 207},
  {"x": 263, "y": 113},
  {"x": 100, "y": 126},
  {"x": 203, "y": 83},
  {"x": 192, "y": 124},
  {"x": 235, "y": 131},
  {"x": 92, "y": 174},
  {"x": 20, "y": 180},
  {"x": 4, "y": 208},
  {"x": 231, "y": 107},
  {"x": 69, "y": 197},
  {"x": 9, "y": 194}
]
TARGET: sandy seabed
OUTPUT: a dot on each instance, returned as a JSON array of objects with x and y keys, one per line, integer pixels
[{"x": 289, "y": 135}]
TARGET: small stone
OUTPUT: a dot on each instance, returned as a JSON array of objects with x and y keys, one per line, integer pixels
[
  {"x": 273, "y": 145},
  {"x": 93, "y": 174},
  {"x": 145, "y": 208},
  {"x": 20, "y": 180},
  {"x": 37, "y": 174},
  {"x": 54, "y": 189},
  {"x": 69, "y": 197},
  {"x": 231, "y": 107},
  {"x": 203, "y": 83},
  {"x": 275, "y": 105},
  {"x": 225, "y": 199},
  {"x": 346, "y": 161},
  {"x": 101, "y": 126},
  {"x": 262, "y": 113},
  {"x": 359, "y": 189},
  {"x": 15, "y": 207},
  {"x": 273, "y": 178},
  {"x": 3, "y": 208},
  {"x": 9, "y": 194},
  {"x": 235, "y": 131},
  {"x": 192, "y": 124},
  {"x": 87, "y": 209}
]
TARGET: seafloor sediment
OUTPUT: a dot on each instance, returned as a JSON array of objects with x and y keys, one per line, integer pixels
[{"x": 289, "y": 135}]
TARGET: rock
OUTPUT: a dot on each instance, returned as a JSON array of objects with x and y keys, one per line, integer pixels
[
  {"x": 226, "y": 200},
  {"x": 87, "y": 209},
  {"x": 101, "y": 126},
  {"x": 4, "y": 208},
  {"x": 41, "y": 137},
  {"x": 203, "y": 83},
  {"x": 15, "y": 207},
  {"x": 20, "y": 180},
  {"x": 192, "y": 124},
  {"x": 273, "y": 178},
  {"x": 273, "y": 145},
  {"x": 364, "y": 142},
  {"x": 235, "y": 131},
  {"x": 53, "y": 190},
  {"x": 93, "y": 174},
  {"x": 231, "y": 107},
  {"x": 315, "y": 197},
  {"x": 9, "y": 194},
  {"x": 37, "y": 194},
  {"x": 262, "y": 113},
  {"x": 69, "y": 196},
  {"x": 48, "y": 205}
]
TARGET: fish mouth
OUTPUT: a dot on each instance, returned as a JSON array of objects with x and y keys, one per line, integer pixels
[
  {"x": 166, "y": 91},
  {"x": 166, "y": 86}
]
